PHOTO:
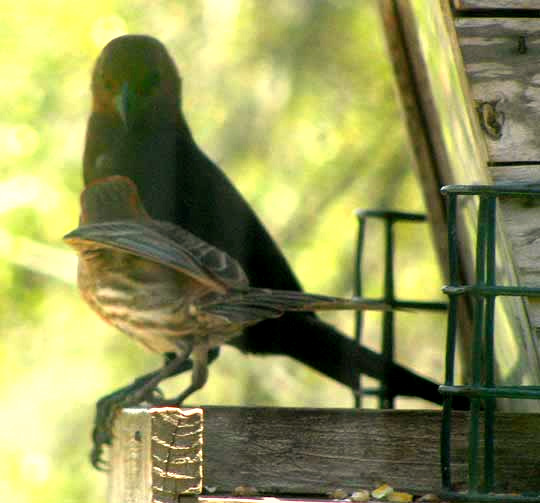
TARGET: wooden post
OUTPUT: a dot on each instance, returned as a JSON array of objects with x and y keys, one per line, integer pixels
[{"x": 156, "y": 455}]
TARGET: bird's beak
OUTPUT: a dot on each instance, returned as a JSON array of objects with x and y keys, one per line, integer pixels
[{"x": 124, "y": 103}]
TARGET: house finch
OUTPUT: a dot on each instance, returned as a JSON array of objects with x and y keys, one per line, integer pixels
[
  {"x": 168, "y": 289},
  {"x": 138, "y": 125}
]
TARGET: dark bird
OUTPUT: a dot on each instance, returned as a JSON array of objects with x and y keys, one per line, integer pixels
[
  {"x": 138, "y": 124},
  {"x": 168, "y": 289}
]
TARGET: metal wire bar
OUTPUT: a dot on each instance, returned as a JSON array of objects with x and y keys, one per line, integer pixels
[
  {"x": 451, "y": 333},
  {"x": 507, "y": 189},
  {"x": 485, "y": 290},
  {"x": 392, "y": 215},
  {"x": 420, "y": 304},
  {"x": 478, "y": 327},
  {"x": 489, "y": 403},
  {"x": 386, "y": 398},
  {"x": 521, "y": 392},
  {"x": 384, "y": 392},
  {"x": 359, "y": 317}
]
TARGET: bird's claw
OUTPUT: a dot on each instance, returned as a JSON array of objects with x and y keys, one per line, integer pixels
[
  {"x": 100, "y": 438},
  {"x": 106, "y": 410}
]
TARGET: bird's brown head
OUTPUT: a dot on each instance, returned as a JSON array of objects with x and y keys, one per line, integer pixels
[
  {"x": 111, "y": 199},
  {"x": 136, "y": 81}
]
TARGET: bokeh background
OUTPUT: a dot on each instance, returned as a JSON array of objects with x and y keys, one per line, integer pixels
[{"x": 295, "y": 100}]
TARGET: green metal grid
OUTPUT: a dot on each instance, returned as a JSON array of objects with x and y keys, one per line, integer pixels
[
  {"x": 384, "y": 392},
  {"x": 482, "y": 391}
]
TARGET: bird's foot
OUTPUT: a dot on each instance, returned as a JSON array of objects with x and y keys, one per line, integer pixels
[
  {"x": 143, "y": 389},
  {"x": 158, "y": 400},
  {"x": 177, "y": 401},
  {"x": 109, "y": 406}
]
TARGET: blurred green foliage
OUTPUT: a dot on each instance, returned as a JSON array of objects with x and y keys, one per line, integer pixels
[{"x": 294, "y": 100}]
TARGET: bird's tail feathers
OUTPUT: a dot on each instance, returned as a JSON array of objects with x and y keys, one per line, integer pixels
[
  {"x": 261, "y": 303},
  {"x": 300, "y": 301}
]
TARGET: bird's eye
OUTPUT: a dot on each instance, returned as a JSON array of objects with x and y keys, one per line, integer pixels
[
  {"x": 150, "y": 81},
  {"x": 108, "y": 84}
]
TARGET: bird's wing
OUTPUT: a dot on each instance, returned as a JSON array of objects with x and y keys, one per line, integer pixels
[
  {"x": 143, "y": 239},
  {"x": 216, "y": 263}
]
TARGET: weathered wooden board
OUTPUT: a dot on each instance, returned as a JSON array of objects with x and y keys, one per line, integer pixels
[
  {"x": 437, "y": 98},
  {"x": 496, "y": 4},
  {"x": 502, "y": 60},
  {"x": 315, "y": 451}
]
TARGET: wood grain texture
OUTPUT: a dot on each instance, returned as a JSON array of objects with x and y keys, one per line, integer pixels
[
  {"x": 522, "y": 221},
  {"x": 501, "y": 58},
  {"x": 156, "y": 455},
  {"x": 419, "y": 141},
  {"x": 283, "y": 451},
  {"x": 286, "y": 451},
  {"x": 496, "y": 4},
  {"x": 131, "y": 474}
]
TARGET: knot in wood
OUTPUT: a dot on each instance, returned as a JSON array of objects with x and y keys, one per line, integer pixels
[{"x": 491, "y": 119}]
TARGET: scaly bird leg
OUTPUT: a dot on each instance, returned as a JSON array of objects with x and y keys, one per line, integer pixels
[
  {"x": 199, "y": 356},
  {"x": 140, "y": 390}
]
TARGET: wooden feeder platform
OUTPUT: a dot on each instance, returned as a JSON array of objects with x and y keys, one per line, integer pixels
[{"x": 161, "y": 453}]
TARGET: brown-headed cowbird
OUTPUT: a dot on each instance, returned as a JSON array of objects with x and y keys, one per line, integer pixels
[
  {"x": 168, "y": 289},
  {"x": 137, "y": 122}
]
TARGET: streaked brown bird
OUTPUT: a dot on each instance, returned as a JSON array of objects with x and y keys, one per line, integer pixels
[
  {"x": 168, "y": 289},
  {"x": 137, "y": 122}
]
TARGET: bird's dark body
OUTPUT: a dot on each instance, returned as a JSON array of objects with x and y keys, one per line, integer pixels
[{"x": 180, "y": 184}]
